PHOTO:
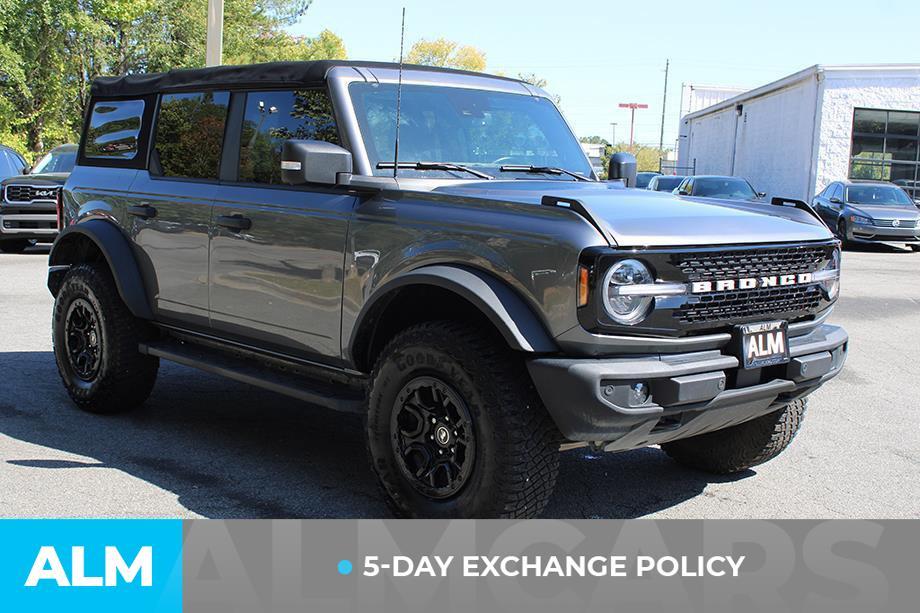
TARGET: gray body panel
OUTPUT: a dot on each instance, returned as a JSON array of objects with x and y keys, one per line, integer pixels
[{"x": 280, "y": 281}]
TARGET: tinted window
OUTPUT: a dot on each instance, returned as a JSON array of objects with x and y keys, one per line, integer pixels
[
  {"x": 273, "y": 117},
  {"x": 877, "y": 194},
  {"x": 189, "y": 135},
  {"x": 886, "y": 147},
  {"x": 57, "y": 160},
  {"x": 480, "y": 129},
  {"x": 723, "y": 188},
  {"x": 837, "y": 192},
  {"x": 643, "y": 179},
  {"x": 10, "y": 164},
  {"x": 667, "y": 184},
  {"x": 114, "y": 128}
]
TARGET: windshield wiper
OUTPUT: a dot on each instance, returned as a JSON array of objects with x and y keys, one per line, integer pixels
[
  {"x": 542, "y": 170},
  {"x": 448, "y": 166}
]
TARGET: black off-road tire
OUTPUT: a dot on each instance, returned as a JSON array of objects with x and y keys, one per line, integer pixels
[
  {"x": 516, "y": 458},
  {"x": 124, "y": 376},
  {"x": 740, "y": 447},
  {"x": 15, "y": 246}
]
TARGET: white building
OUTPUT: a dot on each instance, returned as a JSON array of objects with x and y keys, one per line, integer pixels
[
  {"x": 695, "y": 97},
  {"x": 825, "y": 123},
  {"x": 595, "y": 153}
]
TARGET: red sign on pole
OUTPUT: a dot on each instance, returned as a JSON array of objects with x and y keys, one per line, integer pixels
[{"x": 632, "y": 106}]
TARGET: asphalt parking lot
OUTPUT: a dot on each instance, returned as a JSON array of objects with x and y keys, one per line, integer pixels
[{"x": 204, "y": 446}]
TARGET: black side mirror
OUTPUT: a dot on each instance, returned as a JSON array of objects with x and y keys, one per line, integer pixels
[
  {"x": 26, "y": 170},
  {"x": 836, "y": 200},
  {"x": 761, "y": 194},
  {"x": 622, "y": 167},
  {"x": 313, "y": 161}
]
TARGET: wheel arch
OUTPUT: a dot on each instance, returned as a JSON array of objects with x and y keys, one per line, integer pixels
[
  {"x": 97, "y": 240},
  {"x": 466, "y": 293}
]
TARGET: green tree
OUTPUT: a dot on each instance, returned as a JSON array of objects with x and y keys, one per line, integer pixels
[
  {"x": 446, "y": 54},
  {"x": 533, "y": 79},
  {"x": 51, "y": 50}
]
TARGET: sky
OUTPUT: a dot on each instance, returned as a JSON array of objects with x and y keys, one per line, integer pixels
[{"x": 597, "y": 54}]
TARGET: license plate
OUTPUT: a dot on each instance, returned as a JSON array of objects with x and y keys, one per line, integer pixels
[{"x": 764, "y": 344}]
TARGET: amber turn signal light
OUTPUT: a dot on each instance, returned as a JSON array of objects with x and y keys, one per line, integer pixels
[{"x": 582, "y": 286}]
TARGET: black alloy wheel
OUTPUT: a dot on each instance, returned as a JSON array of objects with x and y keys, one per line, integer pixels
[
  {"x": 433, "y": 437},
  {"x": 83, "y": 339}
]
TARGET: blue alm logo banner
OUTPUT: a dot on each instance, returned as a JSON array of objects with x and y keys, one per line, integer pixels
[{"x": 91, "y": 565}]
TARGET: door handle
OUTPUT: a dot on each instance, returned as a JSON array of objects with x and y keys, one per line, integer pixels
[
  {"x": 234, "y": 222},
  {"x": 142, "y": 210}
]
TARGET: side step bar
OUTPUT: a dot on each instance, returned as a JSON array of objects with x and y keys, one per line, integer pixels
[{"x": 242, "y": 368}]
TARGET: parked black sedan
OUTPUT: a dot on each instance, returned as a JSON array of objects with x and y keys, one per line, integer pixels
[
  {"x": 723, "y": 188},
  {"x": 870, "y": 212}
]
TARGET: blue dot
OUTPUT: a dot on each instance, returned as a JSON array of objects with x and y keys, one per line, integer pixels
[{"x": 344, "y": 567}]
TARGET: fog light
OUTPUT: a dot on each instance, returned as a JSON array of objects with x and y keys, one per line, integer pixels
[{"x": 639, "y": 392}]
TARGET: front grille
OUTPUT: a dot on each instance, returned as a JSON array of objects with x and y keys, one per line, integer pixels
[
  {"x": 716, "y": 265},
  {"x": 791, "y": 302},
  {"x": 889, "y": 223},
  {"x": 31, "y": 193},
  {"x": 776, "y": 303}
]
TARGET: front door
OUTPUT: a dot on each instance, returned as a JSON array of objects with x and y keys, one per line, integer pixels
[{"x": 276, "y": 251}]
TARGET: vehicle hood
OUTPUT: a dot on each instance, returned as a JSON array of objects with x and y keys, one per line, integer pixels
[
  {"x": 884, "y": 212},
  {"x": 643, "y": 218},
  {"x": 46, "y": 178}
]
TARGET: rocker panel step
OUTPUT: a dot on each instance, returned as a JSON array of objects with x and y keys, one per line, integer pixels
[{"x": 339, "y": 397}]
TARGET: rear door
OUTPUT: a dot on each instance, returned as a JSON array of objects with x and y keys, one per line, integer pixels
[
  {"x": 277, "y": 251},
  {"x": 169, "y": 215}
]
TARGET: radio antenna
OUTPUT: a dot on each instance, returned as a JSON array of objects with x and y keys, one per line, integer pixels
[{"x": 402, "y": 38}]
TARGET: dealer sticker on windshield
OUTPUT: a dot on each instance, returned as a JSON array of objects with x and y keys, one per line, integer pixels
[{"x": 764, "y": 344}]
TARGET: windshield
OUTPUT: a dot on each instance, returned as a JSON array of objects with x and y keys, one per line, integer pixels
[
  {"x": 878, "y": 194},
  {"x": 57, "y": 160},
  {"x": 727, "y": 187},
  {"x": 666, "y": 184},
  {"x": 477, "y": 129}
]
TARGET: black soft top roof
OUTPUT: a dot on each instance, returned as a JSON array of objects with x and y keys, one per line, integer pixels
[{"x": 272, "y": 74}]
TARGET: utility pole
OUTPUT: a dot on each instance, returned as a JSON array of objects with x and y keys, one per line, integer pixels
[
  {"x": 215, "y": 41},
  {"x": 664, "y": 104},
  {"x": 632, "y": 106},
  {"x": 613, "y": 125}
]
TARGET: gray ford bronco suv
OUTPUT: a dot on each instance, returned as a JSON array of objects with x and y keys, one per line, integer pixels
[{"x": 478, "y": 295}]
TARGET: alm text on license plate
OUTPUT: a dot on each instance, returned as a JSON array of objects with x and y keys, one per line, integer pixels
[{"x": 764, "y": 344}]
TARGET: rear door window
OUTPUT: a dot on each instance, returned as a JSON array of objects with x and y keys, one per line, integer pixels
[
  {"x": 189, "y": 135},
  {"x": 272, "y": 117},
  {"x": 114, "y": 130}
]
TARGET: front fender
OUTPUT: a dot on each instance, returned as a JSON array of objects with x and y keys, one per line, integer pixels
[
  {"x": 70, "y": 247},
  {"x": 512, "y": 317}
]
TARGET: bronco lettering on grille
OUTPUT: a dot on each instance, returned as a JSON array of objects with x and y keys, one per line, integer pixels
[{"x": 729, "y": 285}]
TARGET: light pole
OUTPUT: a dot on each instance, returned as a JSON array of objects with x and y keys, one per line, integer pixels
[
  {"x": 632, "y": 106},
  {"x": 215, "y": 41}
]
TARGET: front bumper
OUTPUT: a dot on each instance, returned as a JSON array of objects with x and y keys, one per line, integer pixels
[
  {"x": 690, "y": 393},
  {"x": 32, "y": 222},
  {"x": 877, "y": 234}
]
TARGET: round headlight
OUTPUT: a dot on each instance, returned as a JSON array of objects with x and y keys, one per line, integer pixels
[
  {"x": 622, "y": 307},
  {"x": 831, "y": 285}
]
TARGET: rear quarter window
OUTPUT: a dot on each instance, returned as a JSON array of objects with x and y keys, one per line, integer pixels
[{"x": 114, "y": 130}]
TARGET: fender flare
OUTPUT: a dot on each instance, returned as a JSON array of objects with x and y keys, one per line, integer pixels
[
  {"x": 116, "y": 249},
  {"x": 508, "y": 312}
]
